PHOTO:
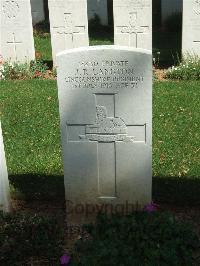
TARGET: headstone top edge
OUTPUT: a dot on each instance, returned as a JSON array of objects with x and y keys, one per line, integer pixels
[{"x": 104, "y": 47}]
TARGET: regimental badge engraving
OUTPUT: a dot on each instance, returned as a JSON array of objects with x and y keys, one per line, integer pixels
[
  {"x": 11, "y": 9},
  {"x": 106, "y": 129},
  {"x": 197, "y": 7}
]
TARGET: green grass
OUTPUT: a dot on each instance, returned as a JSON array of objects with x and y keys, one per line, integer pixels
[
  {"x": 176, "y": 156},
  {"x": 103, "y": 36},
  {"x": 43, "y": 43},
  {"x": 43, "y": 46},
  {"x": 176, "y": 125},
  {"x": 30, "y": 121}
]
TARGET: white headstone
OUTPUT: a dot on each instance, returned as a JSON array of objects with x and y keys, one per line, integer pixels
[
  {"x": 100, "y": 8},
  {"x": 4, "y": 183},
  {"x": 69, "y": 24},
  {"x": 191, "y": 27},
  {"x": 133, "y": 23},
  {"x": 105, "y": 110},
  {"x": 17, "y": 42},
  {"x": 37, "y": 10}
]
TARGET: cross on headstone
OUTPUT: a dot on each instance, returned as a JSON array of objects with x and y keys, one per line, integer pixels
[
  {"x": 14, "y": 42},
  {"x": 106, "y": 132},
  {"x": 133, "y": 28},
  {"x": 69, "y": 28}
]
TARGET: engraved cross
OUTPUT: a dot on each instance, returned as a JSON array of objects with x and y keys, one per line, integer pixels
[
  {"x": 14, "y": 42},
  {"x": 133, "y": 28},
  {"x": 69, "y": 28},
  {"x": 107, "y": 131}
]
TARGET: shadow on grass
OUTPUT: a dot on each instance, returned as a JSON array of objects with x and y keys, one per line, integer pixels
[
  {"x": 37, "y": 187},
  {"x": 171, "y": 190},
  {"x": 177, "y": 191},
  {"x": 101, "y": 35}
]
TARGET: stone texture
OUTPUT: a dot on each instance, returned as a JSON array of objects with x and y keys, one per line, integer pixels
[
  {"x": 133, "y": 23},
  {"x": 16, "y": 41},
  {"x": 105, "y": 110},
  {"x": 69, "y": 24},
  {"x": 100, "y": 8},
  {"x": 4, "y": 183},
  {"x": 191, "y": 27},
  {"x": 37, "y": 10}
]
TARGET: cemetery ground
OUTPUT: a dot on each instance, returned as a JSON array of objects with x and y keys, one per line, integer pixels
[
  {"x": 32, "y": 141},
  {"x": 30, "y": 122}
]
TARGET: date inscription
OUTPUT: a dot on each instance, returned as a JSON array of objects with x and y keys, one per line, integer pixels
[{"x": 105, "y": 74}]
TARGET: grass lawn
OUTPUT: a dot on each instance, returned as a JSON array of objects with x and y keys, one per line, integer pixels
[
  {"x": 30, "y": 121},
  {"x": 43, "y": 47},
  {"x": 43, "y": 42}
]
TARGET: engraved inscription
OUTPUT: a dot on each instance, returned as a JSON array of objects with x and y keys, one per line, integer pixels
[
  {"x": 133, "y": 29},
  {"x": 69, "y": 28},
  {"x": 11, "y": 9},
  {"x": 104, "y": 74}
]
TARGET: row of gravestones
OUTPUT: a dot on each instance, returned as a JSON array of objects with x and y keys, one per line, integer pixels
[
  {"x": 95, "y": 7},
  {"x": 105, "y": 103},
  {"x": 69, "y": 26}
]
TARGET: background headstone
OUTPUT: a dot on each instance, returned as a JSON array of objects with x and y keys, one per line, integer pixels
[
  {"x": 133, "y": 23},
  {"x": 69, "y": 24},
  {"x": 16, "y": 39},
  {"x": 4, "y": 183},
  {"x": 191, "y": 27},
  {"x": 37, "y": 10},
  {"x": 105, "y": 110},
  {"x": 169, "y": 7},
  {"x": 100, "y": 8}
]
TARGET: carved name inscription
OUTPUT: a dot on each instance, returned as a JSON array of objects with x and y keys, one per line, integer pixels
[{"x": 104, "y": 75}]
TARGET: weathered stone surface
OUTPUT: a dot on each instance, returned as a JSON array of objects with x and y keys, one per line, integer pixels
[
  {"x": 16, "y": 41},
  {"x": 191, "y": 27},
  {"x": 133, "y": 23},
  {"x": 4, "y": 183},
  {"x": 37, "y": 10},
  {"x": 105, "y": 110},
  {"x": 69, "y": 24}
]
